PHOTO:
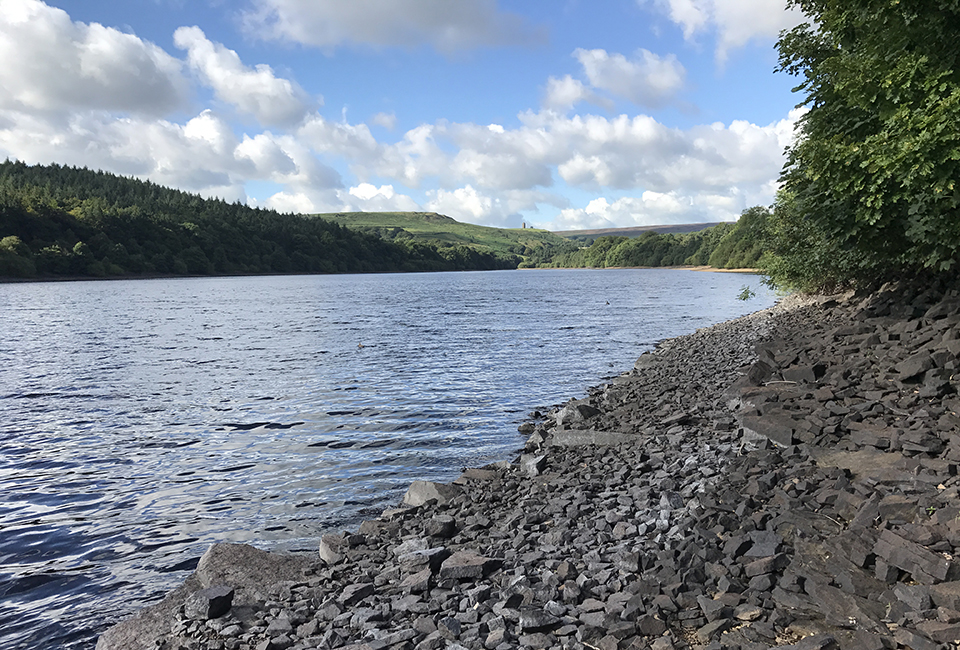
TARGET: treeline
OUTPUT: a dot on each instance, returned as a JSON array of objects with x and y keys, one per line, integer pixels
[
  {"x": 725, "y": 246},
  {"x": 871, "y": 188},
  {"x": 65, "y": 221}
]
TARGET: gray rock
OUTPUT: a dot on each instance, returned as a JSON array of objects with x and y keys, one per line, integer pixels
[
  {"x": 467, "y": 565},
  {"x": 209, "y": 603},
  {"x": 332, "y": 548},
  {"x": 442, "y": 526},
  {"x": 421, "y": 492},
  {"x": 582, "y": 437}
]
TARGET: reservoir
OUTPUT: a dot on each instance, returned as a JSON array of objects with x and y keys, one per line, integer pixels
[{"x": 143, "y": 420}]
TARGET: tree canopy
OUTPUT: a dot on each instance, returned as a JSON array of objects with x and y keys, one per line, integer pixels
[
  {"x": 870, "y": 187},
  {"x": 724, "y": 246},
  {"x": 65, "y": 221}
]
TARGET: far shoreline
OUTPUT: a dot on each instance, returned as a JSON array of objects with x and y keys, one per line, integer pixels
[{"x": 703, "y": 269}]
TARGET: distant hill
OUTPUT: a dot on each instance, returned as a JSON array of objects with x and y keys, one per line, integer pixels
[
  {"x": 531, "y": 245},
  {"x": 588, "y": 236}
]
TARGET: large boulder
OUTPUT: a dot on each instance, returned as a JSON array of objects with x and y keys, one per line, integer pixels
[
  {"x": 249, "y": 571},
  {"x": 420, "y": 492}
]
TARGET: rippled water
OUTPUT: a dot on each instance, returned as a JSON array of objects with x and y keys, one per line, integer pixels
[{"x": 142, "y": 420}]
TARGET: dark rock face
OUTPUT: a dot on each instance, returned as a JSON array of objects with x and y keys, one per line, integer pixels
[{"x": 788, "y": 479}]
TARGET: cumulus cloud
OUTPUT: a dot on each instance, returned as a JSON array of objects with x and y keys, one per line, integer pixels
[
  {"x": 54, "y": 65},
  {"x": 446, "y": 26},
  {"x": 589, "y": 152},
  {"x": 565, "y": 93},
  {"x": 646, "y": 80},
  {"x": 255, "y": 91},
  {"x": 386, "y": 120},
  {"x": 651, "y": 209},
  {"x": 503, "y": 209},
  {"x": 736, "y": 22},
  {"x": 368, "y": 197},
  {"x": 292, "y": 202}
]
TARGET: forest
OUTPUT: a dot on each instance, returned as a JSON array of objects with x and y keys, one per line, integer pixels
[
  {"x": 58, "y": 221},
  {"x": 724, "y": 246}
]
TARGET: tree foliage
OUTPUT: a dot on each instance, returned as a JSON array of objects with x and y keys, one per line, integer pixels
[
  {"x": 871, "y": 183},
  {"x": 64, "y": 221},
  {"x": 725, "y": 246}
]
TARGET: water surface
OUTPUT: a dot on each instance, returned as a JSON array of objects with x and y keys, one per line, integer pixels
[{"x": 143, "y": 420}]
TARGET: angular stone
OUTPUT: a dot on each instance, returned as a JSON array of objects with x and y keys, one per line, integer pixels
[
  {"x": 814, "y": 642},
  {"x": 417, "y": 582},
  {"x": 804, "y": 374},
  {"x": 467, "y": 565},
  {"x": 925, "y": 566},
  {"x": 430, "y": 558},
  {"x": 332, "y": 548},
  {"x": 420, "y": 492},
  {"x": 281, "y": 625},
  {"x": 778, "y": 428},
  {"x": 353, "y": 594},
  {"x": 670, "y": 500},
  {"x": 650, "y": 626},
  {"x": 449, "y": 628},
  {"x": 946, "y": 595},
  {"x": 764, "y": 565},
  {"x": 712, "y": 630},
  {"x": 479, "y": 474},
  {"x": 576, "y": 412},
  {"x": 916, "y": 597},
  {"x": 533, "y": 465},
  {"x": 765, "y": 543},
  {"x": 443, "y": 526},
  {"x": 537, "y": 620},
  {"x": 250, "y": 571},
  {"x": 209, "y": 603},
  {"x": 583, "y": 437},
  {"x": 915, "y": 365},
  {"x": 940, "y": 632},
  {"x": 400, "y": 636},
  {"x": 537, "y": 641},
  {"x": 747, "y": 612},
  {"x": 914, "y": 640}
]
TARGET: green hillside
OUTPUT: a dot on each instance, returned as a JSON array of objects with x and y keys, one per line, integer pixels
[
  {"x": 533, "y": 246},
  {"x": 60, "y": 221}
]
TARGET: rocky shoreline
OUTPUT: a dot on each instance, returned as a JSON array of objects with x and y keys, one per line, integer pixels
[{"x": 786, "y": 479}]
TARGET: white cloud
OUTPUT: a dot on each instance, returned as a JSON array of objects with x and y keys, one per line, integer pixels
[
  {"x": 386, "y": 120},
  {"x": 736, "y": 21},
  {"x": 647, "y": 80},
  {"x": 54, "y": 65},
  {"x": 255, "y": 91},
  {"x": 587, "y": 152},
  {"x": 444, "y": 25},
  {"x": 502, "y": 209},
  {"x": 292, "y": 202},
  {"x": 565, "y": 93},
  {"x": 368, "y": 197},
  {"x": 463, "y": 204},
  {"x": 651, "y": 209}
]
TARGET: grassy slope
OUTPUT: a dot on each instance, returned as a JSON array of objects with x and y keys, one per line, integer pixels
[{"x": 430, "y": 226}]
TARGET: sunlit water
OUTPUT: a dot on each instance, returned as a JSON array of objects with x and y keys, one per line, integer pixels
[{"x": 143, "y": 420}]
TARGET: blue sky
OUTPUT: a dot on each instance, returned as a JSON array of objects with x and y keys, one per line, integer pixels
[{"x": 559, "y": 113}]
